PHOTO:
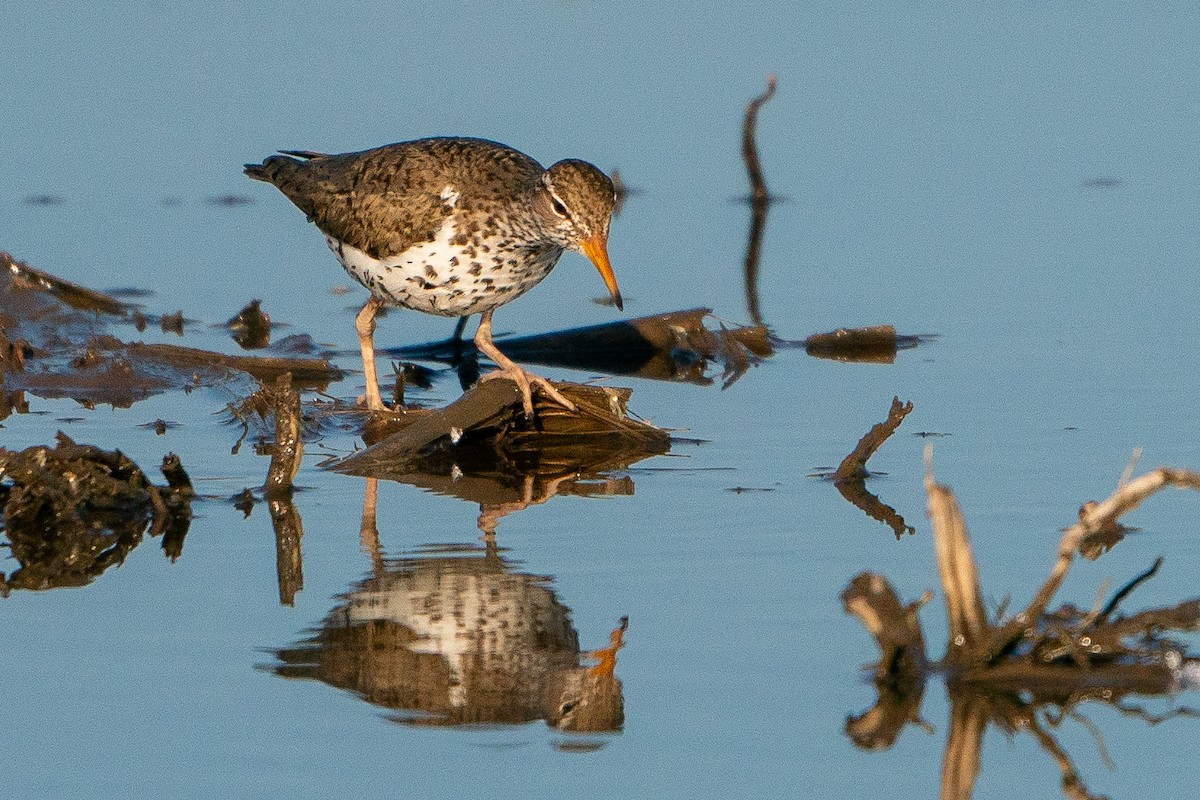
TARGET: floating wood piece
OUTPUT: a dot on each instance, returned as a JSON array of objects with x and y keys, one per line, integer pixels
[
  {"x": 877, "y": 344},
  {"x": 72, "y": 294}
]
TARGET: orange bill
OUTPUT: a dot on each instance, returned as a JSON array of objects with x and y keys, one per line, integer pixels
[{"x": 596, "y": 250}]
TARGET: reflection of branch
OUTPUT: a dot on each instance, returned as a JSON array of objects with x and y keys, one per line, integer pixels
[
  {"x": 760, "y": 199},
  {"x": 964, "y": 745},
  {"x": 1072, "y": 786},
  {"x": 855, "y": 492},
  {"x": 289, "y": 530}
]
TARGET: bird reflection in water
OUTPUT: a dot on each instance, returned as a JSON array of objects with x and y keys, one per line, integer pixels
[{"x": 456, "y": 635}]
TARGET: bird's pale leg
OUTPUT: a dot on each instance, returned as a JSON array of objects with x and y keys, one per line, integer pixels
[
  {"x": 364, "y": 323},
  {"x": 509, "y": 369}
]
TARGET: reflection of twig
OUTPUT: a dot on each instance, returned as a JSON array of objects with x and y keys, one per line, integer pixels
[
  {"x": 964, "y": 746},
  {"x": 760, "y": 199},
  {"x": 289, "y": 531}
]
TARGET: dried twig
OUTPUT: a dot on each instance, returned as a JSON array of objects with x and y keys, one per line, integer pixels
[
  {"x": 854, "y": 465},
  {"x": 288, "y": 446},
  {"x": 758, "y": 187},
  {"x": 956, "y": 566},
  {"x": 1092, "y": 519},
  {"x": 760, "y": 199}
]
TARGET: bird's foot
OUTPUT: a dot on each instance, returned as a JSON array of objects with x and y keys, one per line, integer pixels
[{"x": 525, "y": 381}]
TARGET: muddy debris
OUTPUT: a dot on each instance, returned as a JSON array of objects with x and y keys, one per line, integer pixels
[
  {"x": 54, "y": 343},
  {"x": 1028, "y": 671},
  {"x": 251, "y": 327},
  {"x": 73, "y": 511}
]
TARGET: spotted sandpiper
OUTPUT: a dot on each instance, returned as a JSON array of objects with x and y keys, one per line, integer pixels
[{"x": 449, "y": 226}]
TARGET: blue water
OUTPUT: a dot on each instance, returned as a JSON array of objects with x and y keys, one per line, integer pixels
[{"x": 936, "y": 159}]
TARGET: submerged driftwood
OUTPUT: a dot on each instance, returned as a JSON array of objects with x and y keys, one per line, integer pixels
[
  {"x": 676, "y": 346},
  {"x": 54, "y": 342},
  {"x": 1027, "y": 672}
]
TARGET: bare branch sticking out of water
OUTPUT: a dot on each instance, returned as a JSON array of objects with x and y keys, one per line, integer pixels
[
  {"x": 1093, "y": 519},
  {"x": 760, "y": 199},
  {"x": 850, "y": 476},
  {"x": 956, "y": 567},
  {"x": 854, "y": 465},
  {"x": 758, "y": 186},
  {"x": 1030, "y": 674},
  {"x": 288, "y": 447}
]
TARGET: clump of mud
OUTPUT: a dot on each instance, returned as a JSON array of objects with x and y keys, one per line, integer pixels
[{"x": 72, "y": 511}]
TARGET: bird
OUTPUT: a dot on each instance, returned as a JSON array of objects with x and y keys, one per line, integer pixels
[{"x": 452, "y": 226}]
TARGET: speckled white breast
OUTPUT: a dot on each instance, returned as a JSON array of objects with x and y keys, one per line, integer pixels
[{"x": 451, "y": 276}]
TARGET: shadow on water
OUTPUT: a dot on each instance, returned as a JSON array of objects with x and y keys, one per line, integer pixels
[{"x": 458, "y": 635}]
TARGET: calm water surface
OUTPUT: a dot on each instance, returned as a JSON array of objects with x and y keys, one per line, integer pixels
[{"x": 1020, "y": 182}]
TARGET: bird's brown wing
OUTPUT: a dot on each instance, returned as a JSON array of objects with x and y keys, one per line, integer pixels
[
  {"x": 379, "y": 201},
  {"x": 385, "y": 200}
]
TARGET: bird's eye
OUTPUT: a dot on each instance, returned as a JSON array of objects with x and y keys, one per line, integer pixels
[{"x": 559, "y": 208}]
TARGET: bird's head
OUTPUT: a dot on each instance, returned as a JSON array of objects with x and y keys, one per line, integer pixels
[{"x": 574, "y": 201}]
